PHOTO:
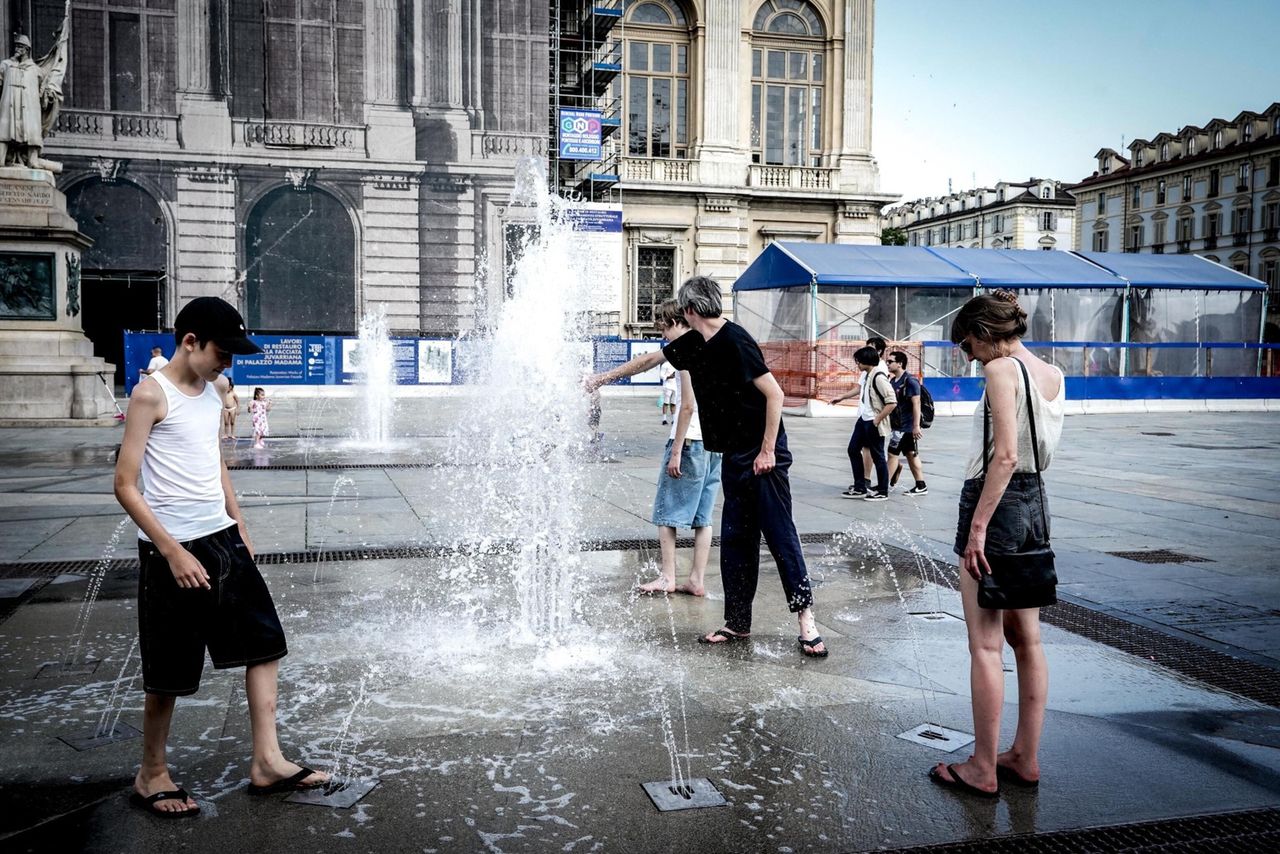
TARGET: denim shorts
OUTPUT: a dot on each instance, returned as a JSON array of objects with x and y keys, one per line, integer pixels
[
  {"x": 235, "y": 619},
  {"x": 1020, "y": 523},
  {"x": 687, "y": 501}
]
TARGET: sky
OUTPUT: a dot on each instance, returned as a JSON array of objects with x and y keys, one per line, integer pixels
[{"x": 980, "y": 91}]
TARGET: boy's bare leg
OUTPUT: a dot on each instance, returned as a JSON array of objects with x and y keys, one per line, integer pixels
[
  {"x": 695, "y": 586},
  {"x": 153, "y": 776},
  {"x": 268, "y": 765},
  {"x": 666, "y": 581}
]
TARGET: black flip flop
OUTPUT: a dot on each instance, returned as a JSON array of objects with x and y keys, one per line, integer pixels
[
  {"x": 807, "y": 647},
  {"x": 148, "y": 804},
  {"x": 1011, "y": 776},
  {"x": 729, "y": 637},
  {"x": 956, "y": 783},
  {"x": 289, "y": 784}
]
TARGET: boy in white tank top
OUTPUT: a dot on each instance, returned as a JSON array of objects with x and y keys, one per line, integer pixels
[{"x": 198, "y": 587}]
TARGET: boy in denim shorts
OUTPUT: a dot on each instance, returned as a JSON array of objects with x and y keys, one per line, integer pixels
[{"x": 198, "y": 585}]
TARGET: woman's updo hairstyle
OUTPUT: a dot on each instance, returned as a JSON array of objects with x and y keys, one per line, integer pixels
[{"x": 990, "y": 317}]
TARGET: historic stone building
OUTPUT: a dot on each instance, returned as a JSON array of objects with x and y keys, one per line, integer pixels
[
  {"x": 743, "y": 122},
  {"x": 1034, "y": 214},
  {"x": 1212, "y": 190},
  {"x": 301, "y": 158}
]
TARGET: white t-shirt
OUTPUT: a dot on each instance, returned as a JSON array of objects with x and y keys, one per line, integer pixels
[
  {"x": 866, "y": 411},
  {"x": 694, "y": 433},
  {"x": 156, "y": 363}
]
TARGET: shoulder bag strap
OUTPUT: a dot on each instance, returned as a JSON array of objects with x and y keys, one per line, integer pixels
[{"x": 1035, "y": 443}]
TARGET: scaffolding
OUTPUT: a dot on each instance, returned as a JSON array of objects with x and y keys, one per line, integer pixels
[{"x": 586, "y": 74}]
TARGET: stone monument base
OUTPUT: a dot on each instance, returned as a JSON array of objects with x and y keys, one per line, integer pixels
[{"x": 48, "y": 373}]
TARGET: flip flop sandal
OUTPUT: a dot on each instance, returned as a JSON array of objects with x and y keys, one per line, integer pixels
[
  {"x": 148, "y": 804},
  {"x": 729, "y": 637},
  {"x": 289, "y": 784},
  {"x": 807, "y": 647},
  {"x": 954, "y": 782},
  {"x": 1011, "y": 776}
]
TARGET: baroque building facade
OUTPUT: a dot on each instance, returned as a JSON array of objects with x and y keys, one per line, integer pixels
[
  {"x": 300, "y": 158},
  {"x": 1033, "y": 214},
  {"x": 742, "y": 122},
  {"x": 1213, "y": 191}
]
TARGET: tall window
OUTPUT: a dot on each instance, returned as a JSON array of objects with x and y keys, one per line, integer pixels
[
  {"x": 787, "y": 78},
  {"x": 1135, "y": 237},
  {"x": 301, "y": 61},
  {"x": 1217, "y": 139},
  {"x": 1164, "y": 151},
  {"x": 1186, "y": 189},
  {"x": 1241, "y": 221},
  {"x": 1186, "y": 228},
  {"x": 1191, "y": 145},
  {"x": 1212, "y": 225},
  {"x": 1102, "y": 203},
  {"x": 1213, "y": 183},
  {"x": 1248, "y": 132},
  {"x": 124, "y": 53},
  {"x": 1048, "y": 221},
  {"x": 1100, "y": 240},
  {"x": 1137, "y": 196},
  {"x": 1160, "y": 192},
  {"x": 657, "y": 80},
  {"x": 1244, "y": 174},
  {"x": 655, "y": 280}
]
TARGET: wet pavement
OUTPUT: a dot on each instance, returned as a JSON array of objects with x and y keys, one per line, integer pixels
[{"x": 410, "y": 673}]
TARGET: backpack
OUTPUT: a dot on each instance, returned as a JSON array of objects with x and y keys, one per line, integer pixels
[{"x": 926, "y": 407}]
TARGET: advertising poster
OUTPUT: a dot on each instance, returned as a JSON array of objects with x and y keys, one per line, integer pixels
[
  {"x": 600, "y": 228},
  {"x": 435, "y": 362},
  {"x": 579, "y": 135}
]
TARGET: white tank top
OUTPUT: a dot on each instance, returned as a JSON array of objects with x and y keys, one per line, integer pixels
[
  {"x": 182, "y": 465},
  {"x": 1049, "y": 417},
  {"x": 694, "y": 433}
]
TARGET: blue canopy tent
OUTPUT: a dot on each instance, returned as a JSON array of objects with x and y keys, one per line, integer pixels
[{"x": 1088, "y": 309}]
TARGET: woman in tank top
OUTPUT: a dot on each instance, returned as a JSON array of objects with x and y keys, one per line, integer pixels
[{"x": 1003, "y": 511}]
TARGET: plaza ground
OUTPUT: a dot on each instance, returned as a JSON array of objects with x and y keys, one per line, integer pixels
[{"x": 400, "y": 671}]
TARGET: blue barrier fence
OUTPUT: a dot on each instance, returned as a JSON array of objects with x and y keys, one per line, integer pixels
[{"x": 301, "y": 360}]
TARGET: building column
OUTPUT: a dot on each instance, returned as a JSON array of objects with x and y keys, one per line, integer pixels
[
  {"x": 443, "y": 127},
  {"x": 447, "y": 254},
  {"x": 858, "y": 172},
  {"x": 722, "y": 158},
  {"x": 391, "y": 132},
  {"x": 205, "y": 121},
  {"x": 205, "y": 235},
  {"x": 722, "y": 235},
  {"x": 392, "y": 264}
]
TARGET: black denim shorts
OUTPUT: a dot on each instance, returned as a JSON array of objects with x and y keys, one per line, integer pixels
[
  {"x": 235, "y": 620},
  {"x": 1021, "y": 520}
]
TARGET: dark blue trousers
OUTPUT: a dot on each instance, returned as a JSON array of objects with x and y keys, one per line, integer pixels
[
  {"x": 865, "y": 435},
  {"x": 755, "y": 505}
]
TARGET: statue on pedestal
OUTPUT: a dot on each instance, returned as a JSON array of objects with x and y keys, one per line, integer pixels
[{"x": 30, "y": 97}]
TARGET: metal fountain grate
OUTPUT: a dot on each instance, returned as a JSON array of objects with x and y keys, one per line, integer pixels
[
  {"x": 1248, "y": 830},
  {"x": 339, "y": 794},
  {"x": 694, "y": 793},
  {"x": 937, "y": 737},
  {"x": 1159, "y": 556},
  {"x": 89, "y": 741}
]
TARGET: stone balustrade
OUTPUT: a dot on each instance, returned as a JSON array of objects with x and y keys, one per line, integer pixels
[
  {"x": 281, "y": 134},
  {"x": 102, "y": 125}
]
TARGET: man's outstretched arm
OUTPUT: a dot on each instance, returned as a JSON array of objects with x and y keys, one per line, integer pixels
[{"x": 638, "y": 365}]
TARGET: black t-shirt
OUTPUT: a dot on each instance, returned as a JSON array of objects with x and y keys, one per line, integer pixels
[
  {"x": 905, "y": 387},
  {"x": 730, "y": 407}
]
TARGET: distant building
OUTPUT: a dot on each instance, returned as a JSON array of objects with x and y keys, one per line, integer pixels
[
  {"x": 1212, "y": 190},
  {"x": 1033, "y": 214}
]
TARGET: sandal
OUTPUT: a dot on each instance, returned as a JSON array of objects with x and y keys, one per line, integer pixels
[
  {"x": 1004, "y": 772},
  {"x": 807, "y": 647},
  {"x": 956, "y": 783},
  {"x": 729, "y": 637},
  {"x": 149, "y": 803},
  {"x": 289, "y": 784}
]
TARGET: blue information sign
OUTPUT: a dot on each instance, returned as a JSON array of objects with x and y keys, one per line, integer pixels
[{"x": 579, "y": 135}]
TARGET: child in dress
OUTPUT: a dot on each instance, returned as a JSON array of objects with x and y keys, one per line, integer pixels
[{"x": 258, "y": 409}]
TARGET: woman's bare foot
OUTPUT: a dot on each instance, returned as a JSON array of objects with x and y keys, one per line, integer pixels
[
  {"x": 1026, "y": 769},
  {"x": 691, "y": 589},
  {"x": 809, "y": 631},
  {"x": 262, "y": 774},
  {"x": 969, "y": 773},
  {"x": 146, "y": 786},
  {"x": 661, "y": 584}
]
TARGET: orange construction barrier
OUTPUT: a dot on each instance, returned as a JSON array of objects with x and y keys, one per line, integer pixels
[{"x": 825, "y": 370}]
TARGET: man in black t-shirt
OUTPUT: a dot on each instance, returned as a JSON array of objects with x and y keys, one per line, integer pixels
[{"x": 740, "y": 408}]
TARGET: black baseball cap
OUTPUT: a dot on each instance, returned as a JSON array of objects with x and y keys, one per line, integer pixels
[{"x": 216, "y": 320}]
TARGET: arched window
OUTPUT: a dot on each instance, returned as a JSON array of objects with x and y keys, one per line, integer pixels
[
  {"x": 300, "y": 261},
  {"x": 657, "y": 79},
  {"x": 788, "y": 74}
]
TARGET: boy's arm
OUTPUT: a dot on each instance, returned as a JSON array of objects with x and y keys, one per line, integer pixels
[
  {"x": 228, "y": 491},
  {"x": 638, "y": 365},
  {"x": 683, "y": 419},
  {"x": 146, "y": 408}
]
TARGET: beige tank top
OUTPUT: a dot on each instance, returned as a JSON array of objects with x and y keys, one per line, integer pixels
[{"x": 1049, "y": 417}]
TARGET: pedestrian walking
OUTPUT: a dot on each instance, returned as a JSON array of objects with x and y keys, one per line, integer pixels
[
  {"x": 907, "y": 424},
  {"x": 876, "y": 402}
]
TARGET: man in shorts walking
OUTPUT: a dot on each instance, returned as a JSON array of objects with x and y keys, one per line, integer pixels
[
  {"x": 905, "y": 439},
  {"x": 198, "y": 585}
]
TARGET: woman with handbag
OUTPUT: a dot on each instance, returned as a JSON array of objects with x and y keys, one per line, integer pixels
[{"x": 1003, "y": 540}]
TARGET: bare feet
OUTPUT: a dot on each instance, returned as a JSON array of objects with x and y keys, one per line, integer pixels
[
  {"x": 262, "y": 774},
  {"x": 661, "y": 584},
  {"x": 1027, "y": 770},
  {"x": 146, "y": 786},
  {"x": 691, "y": 589},
  {"x": 983, "y": 781}
]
